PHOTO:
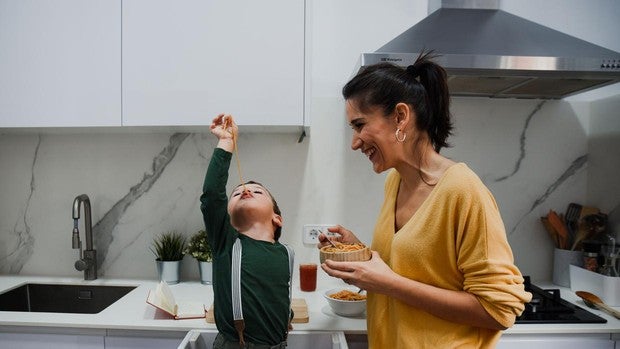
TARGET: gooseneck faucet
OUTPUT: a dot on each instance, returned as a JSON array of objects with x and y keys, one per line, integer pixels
[{"x": 87, "y": 258}]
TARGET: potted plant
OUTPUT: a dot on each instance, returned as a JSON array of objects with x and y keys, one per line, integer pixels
[
  {"x": 199, "y": 248},
  {"x": 169, "y": 249}
]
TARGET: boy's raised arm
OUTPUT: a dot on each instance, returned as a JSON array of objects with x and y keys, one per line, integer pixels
[{"x": 214, "y": 199}]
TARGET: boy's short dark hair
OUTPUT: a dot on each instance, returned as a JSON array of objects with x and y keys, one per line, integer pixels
[{"x": 278, "y": 232}]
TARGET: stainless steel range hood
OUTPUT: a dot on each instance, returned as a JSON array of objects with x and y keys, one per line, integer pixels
[{"x": 489, "y": 52}]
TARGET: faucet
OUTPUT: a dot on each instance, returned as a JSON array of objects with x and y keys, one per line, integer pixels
[{"x": 87, "y": 261}]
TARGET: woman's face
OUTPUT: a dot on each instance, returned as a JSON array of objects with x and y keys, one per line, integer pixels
[{"x": 373, "y": 135}]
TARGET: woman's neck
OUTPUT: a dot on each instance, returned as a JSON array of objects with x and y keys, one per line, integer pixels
[{"x": 422, "y": 167}]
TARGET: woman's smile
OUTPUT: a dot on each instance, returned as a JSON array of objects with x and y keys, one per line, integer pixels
[{"x": 369, "y": 152}]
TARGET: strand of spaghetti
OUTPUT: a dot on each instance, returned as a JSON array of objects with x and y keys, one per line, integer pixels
[{"x": 227, "y": 123}]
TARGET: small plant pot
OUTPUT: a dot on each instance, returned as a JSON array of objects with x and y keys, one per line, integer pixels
[
  {"x": 169, "y": 271},
  {"x": 206, "y": 272}
]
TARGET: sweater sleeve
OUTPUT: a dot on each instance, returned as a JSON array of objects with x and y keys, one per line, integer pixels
[
  {"x": 214, "y": 201},
  {"x": 485, "y": 257}
]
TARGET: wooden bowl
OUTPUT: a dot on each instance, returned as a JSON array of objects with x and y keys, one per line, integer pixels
[{"x": 360, "y": 255}]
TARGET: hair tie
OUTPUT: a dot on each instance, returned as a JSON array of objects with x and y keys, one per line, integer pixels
[{"x": 413, "y": 71}]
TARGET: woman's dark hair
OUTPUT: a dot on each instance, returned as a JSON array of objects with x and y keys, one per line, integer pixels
[
  {"x": 276, "y": 209},
  {"x": 422, "y": 85}
]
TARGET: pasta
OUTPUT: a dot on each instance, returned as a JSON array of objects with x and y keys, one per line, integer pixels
[
  {"x": 225, "y": 126},
  {"x": 346, "y": 295},
  {"x": 343, "y": 248}
]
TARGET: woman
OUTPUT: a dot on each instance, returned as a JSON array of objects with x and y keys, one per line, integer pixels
[{"x": 442, "y": 273}]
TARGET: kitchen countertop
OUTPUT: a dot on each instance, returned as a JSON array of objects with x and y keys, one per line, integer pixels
[{"x": 132, "y": 313}]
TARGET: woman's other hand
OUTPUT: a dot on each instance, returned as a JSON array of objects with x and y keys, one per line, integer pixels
[
  {"x": 345, "y": 236},
  {"x": 373, "y": 275}
]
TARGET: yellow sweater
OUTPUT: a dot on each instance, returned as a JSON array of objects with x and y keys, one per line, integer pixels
[{"x": 456, "y": 240}]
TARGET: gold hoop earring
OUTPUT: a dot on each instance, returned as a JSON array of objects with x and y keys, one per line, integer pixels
[{"x": 401, "y": 140}]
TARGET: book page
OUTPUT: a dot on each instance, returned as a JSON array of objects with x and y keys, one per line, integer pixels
[
  {"x": 167, "y": 298},
  {"x": 189, "y": 309},
  {"x": 162, "y": 298}
]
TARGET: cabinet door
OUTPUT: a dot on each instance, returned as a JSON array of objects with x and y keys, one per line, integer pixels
[
  {"x": 113, "y": 342},
  {"x": 556, "y": 341},
  {"x": 49, "y": 341},
  {"x": 60, "y": 63},
  {"x": 185, "y": 61}
]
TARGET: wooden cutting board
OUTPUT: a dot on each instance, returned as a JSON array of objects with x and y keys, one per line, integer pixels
[{"x": 300, "y": 310}]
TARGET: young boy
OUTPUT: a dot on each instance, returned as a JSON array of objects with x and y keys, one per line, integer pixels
[{"x": 245, "y": 229}]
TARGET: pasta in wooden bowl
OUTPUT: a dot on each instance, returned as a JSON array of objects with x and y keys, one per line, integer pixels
[{"x": 345, "y": 253}]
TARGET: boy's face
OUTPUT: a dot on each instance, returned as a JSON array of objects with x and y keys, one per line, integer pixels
[{"x": 251, "y": 204}]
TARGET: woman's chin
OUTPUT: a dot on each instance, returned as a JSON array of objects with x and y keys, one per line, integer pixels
[{"x": 377, "y": 167}]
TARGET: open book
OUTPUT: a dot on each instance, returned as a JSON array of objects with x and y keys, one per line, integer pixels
[{"x": 162, "y": 298}]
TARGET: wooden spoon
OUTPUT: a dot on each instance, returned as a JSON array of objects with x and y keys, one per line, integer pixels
[{"x": 593, "y": 301}]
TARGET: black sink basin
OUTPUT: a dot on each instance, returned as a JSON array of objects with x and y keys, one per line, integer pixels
[{"x": 61, "y": 298}]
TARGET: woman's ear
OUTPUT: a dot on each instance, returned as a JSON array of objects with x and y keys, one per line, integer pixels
[{"x": 404, "y": 114}]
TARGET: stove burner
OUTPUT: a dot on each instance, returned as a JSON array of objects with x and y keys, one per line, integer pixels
[{"x": 547, "y": 306}]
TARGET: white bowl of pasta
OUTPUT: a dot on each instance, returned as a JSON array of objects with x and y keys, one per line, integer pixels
[{"x": 346, "y": 301}]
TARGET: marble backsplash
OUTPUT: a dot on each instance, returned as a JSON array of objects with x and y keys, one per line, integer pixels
[{"x": 533, "y": 155}]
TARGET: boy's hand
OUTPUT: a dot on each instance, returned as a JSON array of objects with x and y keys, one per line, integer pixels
[{"x": 225, "y": 129}]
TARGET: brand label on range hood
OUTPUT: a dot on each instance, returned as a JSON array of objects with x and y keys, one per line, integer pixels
[{"x": 389, "y": 59}]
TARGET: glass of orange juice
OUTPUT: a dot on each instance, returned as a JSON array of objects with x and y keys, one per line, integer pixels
[{"x": 307, "y": 276}]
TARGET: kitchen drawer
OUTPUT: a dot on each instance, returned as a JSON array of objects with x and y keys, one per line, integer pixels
[{"x": 203, "y": 339}]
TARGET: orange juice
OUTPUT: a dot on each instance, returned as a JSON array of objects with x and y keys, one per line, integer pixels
[{"x": 307, "y": 277}]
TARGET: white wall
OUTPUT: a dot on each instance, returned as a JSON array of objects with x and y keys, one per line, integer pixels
[{"x": 603, "y": 149}]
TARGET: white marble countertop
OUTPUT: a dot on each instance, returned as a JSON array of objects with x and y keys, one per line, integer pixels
[{"x": 131, "y": 313}]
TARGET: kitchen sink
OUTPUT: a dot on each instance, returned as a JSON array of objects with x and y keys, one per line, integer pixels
[{"x": 61, "y": 298}]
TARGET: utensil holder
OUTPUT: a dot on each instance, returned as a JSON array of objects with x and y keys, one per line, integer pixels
[{"x": 561, "y": 261}]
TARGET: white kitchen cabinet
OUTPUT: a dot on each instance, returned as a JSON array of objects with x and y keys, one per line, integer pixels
[
  {"x": 142, "y": 339},
  {"x": 185, "y": 61},
  {"x": 531, "y": 341},
  {"x": 203, "y": 339},
  {"x": 559, "y": 341},
  {"x": 112, "y": 342},
  {"x": 49, "y": 341},
  {"x": 60, "y": 63}
]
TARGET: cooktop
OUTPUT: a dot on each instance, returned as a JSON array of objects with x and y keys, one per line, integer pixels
[{"x": 548, "y": 307}]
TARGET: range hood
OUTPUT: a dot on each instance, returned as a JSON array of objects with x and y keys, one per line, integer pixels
[{"x": 488, "y": 52}]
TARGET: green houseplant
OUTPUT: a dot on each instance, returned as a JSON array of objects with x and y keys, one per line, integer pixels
[
  {"x": 199, "y": 248},
  {"x": 169, "y": 249}
]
